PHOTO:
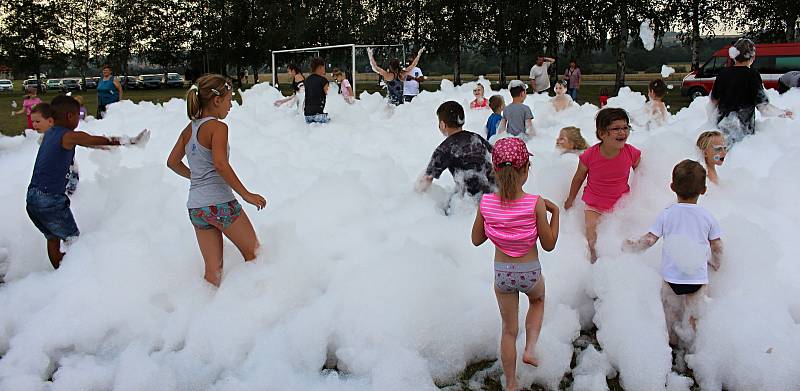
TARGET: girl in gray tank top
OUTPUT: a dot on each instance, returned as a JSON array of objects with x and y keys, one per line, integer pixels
[{"x": 213, "y": 208}]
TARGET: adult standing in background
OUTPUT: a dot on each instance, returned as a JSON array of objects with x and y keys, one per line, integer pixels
[
  {"x": 108, "y": 91},
  {"x": 411, "y": 86},
  {"x": 316, "y": 87},
  {"x": 540, "y": 80},
  {"x": 573, "y": 77}
]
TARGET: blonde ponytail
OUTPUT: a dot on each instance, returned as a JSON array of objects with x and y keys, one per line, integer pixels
[{"x": 207, "y": 87}]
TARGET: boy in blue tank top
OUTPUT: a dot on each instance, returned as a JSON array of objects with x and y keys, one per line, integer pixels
[{"x": 47, "y": 203}]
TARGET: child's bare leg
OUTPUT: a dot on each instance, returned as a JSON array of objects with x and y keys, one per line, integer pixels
[
  {"x": 592, "y": 219},
  {"x": 54, "y": 252},
  {"x": 509, "y": 310},
  {"x": 210, "y": 242},
  {"x": 243, "y": 236},
  {"x": 533, "y": 322},
  {"x": 672, "y": 310}
]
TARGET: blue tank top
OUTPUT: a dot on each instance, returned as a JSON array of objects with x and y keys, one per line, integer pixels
[
  {"x": 395, "y": 89},
  {"x": 107, "y": 91},
  {"x": 52, "y": 162}
]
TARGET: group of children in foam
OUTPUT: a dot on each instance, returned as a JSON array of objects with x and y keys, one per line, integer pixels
[{"x": 376, "y": 284}]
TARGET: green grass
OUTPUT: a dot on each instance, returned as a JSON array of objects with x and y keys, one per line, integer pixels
[{"x": 11, "y": 126}]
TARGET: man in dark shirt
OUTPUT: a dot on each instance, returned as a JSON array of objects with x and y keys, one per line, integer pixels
[
  {"x": 465, "y": 154},
  {"x": 316, "y": 87}
]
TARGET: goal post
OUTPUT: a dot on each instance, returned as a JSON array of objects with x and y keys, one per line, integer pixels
[{"x": 316, "y": 49}]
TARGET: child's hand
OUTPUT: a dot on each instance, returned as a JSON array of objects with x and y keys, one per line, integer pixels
[
  {"x": 255, "y": 199},
  {"x": 714, "y": 263},
  {"x": 550, "y": 206},
  {"x": 568, "y": 203},
  {"x": 369, "y": 51},
  {"x": 421, "y": 51},
  {"x": 629, "y": 245}
]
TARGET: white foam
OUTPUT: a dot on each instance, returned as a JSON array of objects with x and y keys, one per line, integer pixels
[
  {"x": 647, "y": 35},
  {"x": 666, "y": 71}
]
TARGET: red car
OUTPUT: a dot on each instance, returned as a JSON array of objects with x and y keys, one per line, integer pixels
[{"x": 772, "y": 61}]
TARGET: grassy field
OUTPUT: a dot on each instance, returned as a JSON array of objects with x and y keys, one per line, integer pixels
[{"x": 11, "y": 126}]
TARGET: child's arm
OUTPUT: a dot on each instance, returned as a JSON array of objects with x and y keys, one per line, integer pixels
[
  {"x": 478, "y": 232},
  {"x": 175, "y": 159},
  {"x": 423, "y": 183},
  {"x": 529, "y": 127},
  {"x": 413, "y": 63},
  {"x": 219, "y": 155},
  {"x": 641, "y": 244},
  {"x": 716, "y": 253},
  {"x": 577, "y": 181},
  {"x": 374, "y": 65},
  {"x": 75, "y": 138},
  {"x": 501, "y": 128},
  {"x": 548, "y": 232}
]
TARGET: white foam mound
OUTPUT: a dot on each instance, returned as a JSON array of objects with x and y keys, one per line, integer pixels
[
  {"x": 647, "y": 35},
  {"x": 363, "y": 284}
]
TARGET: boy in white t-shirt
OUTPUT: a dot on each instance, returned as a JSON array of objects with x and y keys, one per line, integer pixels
[{"x": 691, "y": 242}]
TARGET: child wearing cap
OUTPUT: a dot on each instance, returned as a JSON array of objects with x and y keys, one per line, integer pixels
[
  {"x": 692, "y": 240},
  {"x": 465, "y": 154},
  {"x": 513, "y": 220},
  {"x": 517, "y": 117}
]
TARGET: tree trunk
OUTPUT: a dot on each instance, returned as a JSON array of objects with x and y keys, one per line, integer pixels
[
  {"x": 417, "y": 11},
  {"x": 502, "y": 70},
  {"x": 696, "y": 39},
  {"x": 255, "y": 74},
  {"x": 791, "y": 23},
  {"x": 621, "y": 47},
  {"x": 552, "y": 43}
]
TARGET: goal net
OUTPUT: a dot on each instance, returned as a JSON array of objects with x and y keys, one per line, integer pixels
[{"x": 351, "y": 59}]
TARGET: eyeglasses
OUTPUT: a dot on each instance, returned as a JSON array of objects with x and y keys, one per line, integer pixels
[{"x": 622, "y": 129}]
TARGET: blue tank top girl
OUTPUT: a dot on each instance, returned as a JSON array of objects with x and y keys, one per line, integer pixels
[
  {"x": 52, "y": 162},
  {"x": 107, "y": 91}
]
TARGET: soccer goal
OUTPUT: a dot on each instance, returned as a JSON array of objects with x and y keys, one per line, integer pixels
[{"x": 353, "y": 50}]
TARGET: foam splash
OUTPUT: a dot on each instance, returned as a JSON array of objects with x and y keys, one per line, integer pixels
[
  {"x": 647, "y": 35},
  {"x": 361, "y": 275}
]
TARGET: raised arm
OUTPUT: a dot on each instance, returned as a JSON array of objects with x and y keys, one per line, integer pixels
[
  {"x": 219, "y": 155},
  {"x": 175, "y": 159},
  {"x": 549, "y": 59},
  {"x": 577, "y": 181},
  {"x": 548, "y": 231},
  {"x": 375, "y": 67},
  {"x": 413, "y": 64},
  {"x": 478, "y": 232}
]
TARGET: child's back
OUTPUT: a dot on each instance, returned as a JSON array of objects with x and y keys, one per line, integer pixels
[
  {"x": 207, "y": 185},
  {"x": 52, "y": 162},
  {"x": 516, "y": 114},
  {"x": 467, "y": 156},
  {"x": 687, "y": 230}
]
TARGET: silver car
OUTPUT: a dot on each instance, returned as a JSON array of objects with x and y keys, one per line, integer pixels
[{"x": 6, "y": 85}]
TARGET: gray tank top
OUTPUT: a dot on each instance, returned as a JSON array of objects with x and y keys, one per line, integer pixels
[{"x": 207, "y": 186}]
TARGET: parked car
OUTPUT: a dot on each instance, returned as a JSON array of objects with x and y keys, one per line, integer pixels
[
  {"x": 772, "y": 61},
  {"x": 70, "y": 85},
  {"x": 130, "y": 82},
  {"x": 53, "y": 84},
  {"x": 6, "y": 85},
  {"x": 41, "y": 87},
  {"x": 151, "y": 81},
  {"x": 90, "y": 84},
  {"x": 174, "y": 80}
]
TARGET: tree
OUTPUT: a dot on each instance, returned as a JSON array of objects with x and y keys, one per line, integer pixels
[
  {"x": 165, "y": 33},
  {"x": 694, "y": 18},
  {"x": 453, "y": 30},
  {"x": 122, "y": 32},
  {"x": 768, "y": 20},
  {"x": 31, "y": 31},
  {"x": 81, "y": 19}
]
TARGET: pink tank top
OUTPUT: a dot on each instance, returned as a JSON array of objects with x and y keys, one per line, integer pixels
[
  {"x": 607, "y": 179},
  {"x": 510, "y": 225}
]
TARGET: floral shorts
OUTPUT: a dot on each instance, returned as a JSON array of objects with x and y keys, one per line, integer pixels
[
  {"x": 516, "y": 277},
  {"x": 219, "y": 216}
]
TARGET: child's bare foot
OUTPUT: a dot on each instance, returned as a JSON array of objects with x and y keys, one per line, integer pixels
[
  {"x": 511, "y": 387},
  {"x": 528, "y": 358},
  {"x": 592, "y": 256}
]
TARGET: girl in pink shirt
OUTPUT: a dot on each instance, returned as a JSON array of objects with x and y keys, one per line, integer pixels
[
  {"x": 480, "y": 101},
  {"x": 607, "y": 165},
  {"x": 28, "y": 103},
  {"x": 513, "y": 220}
]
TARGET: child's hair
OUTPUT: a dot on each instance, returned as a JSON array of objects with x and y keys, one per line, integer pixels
[
  {"x": 705, "y": 138},
  {"x": 743, "y": 50},
  {"x": 107, "y": 66},
  {"x": 604, "y": 91},
  {"x": 517, "y": 91},
  {"x": 293, "y": 67},
  {"x": 63, "y": 105},
  {"x": 207, "y": 87},
  {"x": 496, "y": 102},
  {"x": 688, "y": 179},
  {"x": 658, "y": 87},
  {"x": 79, "y": 98},
  {"x": 564, "y": 82},
  {"x": 43, "y": 109},
  {"x": 508, "y": 180},
  {"x": 394, "y": 67},
  {"x": 336, "y": 72},
  {"x": 606, "y": 116},
  {"x": 481, "y": 87},
  {"x": 451, "y": 113},
  {"x": 574, "y": 135},
  {"x": 316, "y": 62}
]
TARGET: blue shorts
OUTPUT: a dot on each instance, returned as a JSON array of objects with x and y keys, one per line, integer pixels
[
  {"x": 51, "y": 215},
  {"x": 318, "y": 118},
  {"x": 219, "y": 216}
]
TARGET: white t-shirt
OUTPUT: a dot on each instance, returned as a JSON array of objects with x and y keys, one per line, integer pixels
[
  {"x": 686, "y": 230},
  {"x": 539, "y": 74},
  {"x": 411, "y": 87}
]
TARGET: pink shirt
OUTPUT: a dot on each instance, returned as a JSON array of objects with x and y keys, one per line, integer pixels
[
  {"x": 608, "y": 178},
  {"x": 346, "y": 89},
  {"x": 29, "y": 103},
  {"x": 510, "y": 225},
  {"x": 479, "y": 105}
]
